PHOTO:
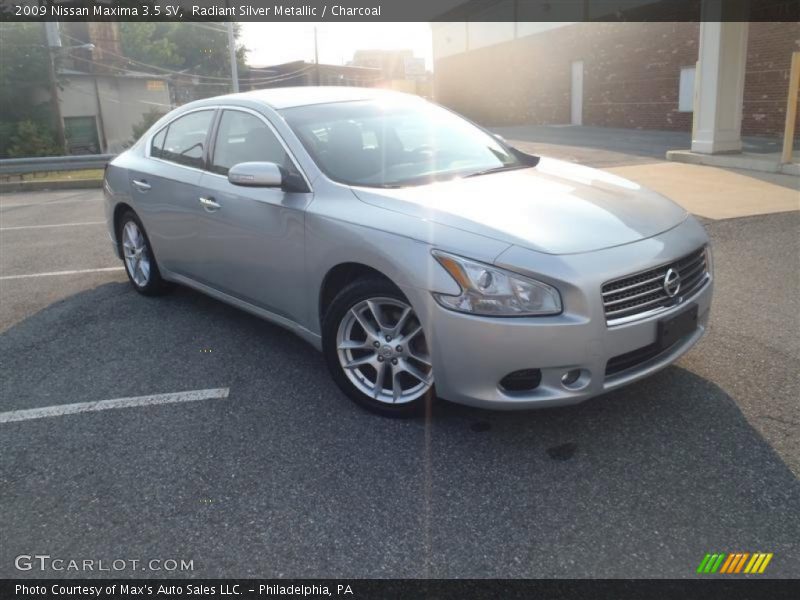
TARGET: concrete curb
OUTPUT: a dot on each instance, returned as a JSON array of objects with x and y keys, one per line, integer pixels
[
  {"x": 37, "y": 186},
  {"x": 747, "y": 161}
]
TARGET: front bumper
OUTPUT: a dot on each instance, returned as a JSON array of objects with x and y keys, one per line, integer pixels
[{"x": 472, "y": 354}]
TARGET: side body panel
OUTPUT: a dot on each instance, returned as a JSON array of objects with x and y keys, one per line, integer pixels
[
  {"x": 342, "y": 229},
  {"x": 253, "y": 245}
]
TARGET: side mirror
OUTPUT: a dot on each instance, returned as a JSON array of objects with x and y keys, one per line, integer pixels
[
  {"x": 256, "y": 174},
  {"x": 529, "y": 160}
]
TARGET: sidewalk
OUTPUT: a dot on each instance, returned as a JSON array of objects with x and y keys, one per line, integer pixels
[
  {"x": 639, "y": 155},
  {"x": 716, "y": 193}
]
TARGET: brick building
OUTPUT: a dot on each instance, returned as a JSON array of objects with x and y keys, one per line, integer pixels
[{"x": 633, "y": 75}]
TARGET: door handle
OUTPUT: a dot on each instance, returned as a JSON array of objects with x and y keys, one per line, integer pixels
[
  {"x": 141, "y": 184},
  {"x": 209, "y": 204}
]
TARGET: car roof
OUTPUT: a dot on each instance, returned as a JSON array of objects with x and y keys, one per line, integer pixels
[{"x": 289, "y": 97}]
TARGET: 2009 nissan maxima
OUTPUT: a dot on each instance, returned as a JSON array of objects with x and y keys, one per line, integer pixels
[{"x": 423, "y": 255}]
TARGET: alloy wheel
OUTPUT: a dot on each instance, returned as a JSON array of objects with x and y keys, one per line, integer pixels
[
  {"x": 383, "y": 351},
  {"x": 137, "y": 257}
]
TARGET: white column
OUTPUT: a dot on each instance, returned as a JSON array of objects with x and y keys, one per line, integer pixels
[{"x": 719, "y": 83}]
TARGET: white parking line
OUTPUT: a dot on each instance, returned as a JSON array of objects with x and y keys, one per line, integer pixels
[
  {"x": 82, "y": 407},
  {"x": 56, "y": 225},
  {"x": 52, "y": 273},
  {"x": 49, "y": 202}
]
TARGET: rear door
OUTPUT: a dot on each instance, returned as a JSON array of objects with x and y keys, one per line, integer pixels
[
  {"x": 166, "y": 194},
  {"x": 254, "y": 237}
]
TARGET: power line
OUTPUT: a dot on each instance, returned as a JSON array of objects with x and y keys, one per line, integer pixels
[
  {"x": 117, "y": 100},
  {"x": 276, "y": 78},
  {"x": 220, "y": 80},
  {"x": 144, "y": 64},
  {"x": 251, "y": 81},
  {"x": 205, "y": 26},
  {"x": 114, "y": 67}
]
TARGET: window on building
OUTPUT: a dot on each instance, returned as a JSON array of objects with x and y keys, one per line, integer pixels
[
  {"x": 186, "y": 138},
  {"x": 155, "y": 85},
  {"x": 243, "y": 137},
  {"x": 686, "y": 90}
]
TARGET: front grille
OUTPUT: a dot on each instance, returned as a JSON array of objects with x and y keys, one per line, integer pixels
[{"x": 644, "y": 292}]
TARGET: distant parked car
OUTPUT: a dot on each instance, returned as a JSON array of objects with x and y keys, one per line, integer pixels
[{"x": 420, "y": 253}]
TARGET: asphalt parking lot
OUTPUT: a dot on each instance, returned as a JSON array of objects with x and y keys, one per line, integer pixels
[{"x": 285, "y": 477}]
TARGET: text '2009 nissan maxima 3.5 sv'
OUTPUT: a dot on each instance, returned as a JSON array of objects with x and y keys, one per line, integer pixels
[{"x": 423, "y": 255}]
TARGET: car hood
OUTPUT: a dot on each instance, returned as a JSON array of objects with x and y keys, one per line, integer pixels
[{"x": 556, "y": 207}]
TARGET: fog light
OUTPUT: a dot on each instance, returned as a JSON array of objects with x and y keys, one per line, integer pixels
[
  {"x": 570, "y": 377},
  {"x": 524, "y": 380}
]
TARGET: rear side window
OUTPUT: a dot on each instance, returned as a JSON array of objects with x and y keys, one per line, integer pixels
[
  {"x": 242, "y": 137},
  {"x": 186, "y": 137}
]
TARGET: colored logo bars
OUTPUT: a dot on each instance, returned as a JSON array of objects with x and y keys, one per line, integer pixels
[{"x": 739, "y": 562}]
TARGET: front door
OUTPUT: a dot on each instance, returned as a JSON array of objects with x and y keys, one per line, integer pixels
[
  {"x": 576, "y": 93},
  {"x": 254, "y": 243}
]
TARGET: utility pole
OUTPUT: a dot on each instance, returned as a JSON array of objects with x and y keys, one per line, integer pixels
[
  {"x": 316, "y": 57},
  {"x": 53, "y": 42},
  {"x": 232, "y": 53},
  {"x": 100, "y": 121}
]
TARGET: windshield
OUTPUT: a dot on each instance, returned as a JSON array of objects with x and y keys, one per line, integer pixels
[{"x": 396, "y": 143}]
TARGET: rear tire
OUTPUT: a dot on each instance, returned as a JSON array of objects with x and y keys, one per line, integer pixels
[
  {"x": 137, "y": 256},
  {"x": 376, "y": 350}
]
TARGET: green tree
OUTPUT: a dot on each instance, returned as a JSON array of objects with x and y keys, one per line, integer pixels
[
  {"x": 197, "y": 48},
  {"x": 149, "y": 43},
  {"x": 148, "y": 119},
  {"x": 24, "y": 70},
  {"x": 32, "y": 139}
]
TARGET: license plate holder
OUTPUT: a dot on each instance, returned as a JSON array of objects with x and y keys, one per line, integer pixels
[{"x": 673, "y": 329}]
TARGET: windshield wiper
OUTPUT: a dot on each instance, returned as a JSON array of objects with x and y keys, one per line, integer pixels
[{"x": 496, "y": 170}]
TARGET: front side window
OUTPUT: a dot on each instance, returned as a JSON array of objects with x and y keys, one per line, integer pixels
[
  {"x": 395, "y": 143},
  {"x": 186, "y": 138},
  {"x": 242, "y": 137}
]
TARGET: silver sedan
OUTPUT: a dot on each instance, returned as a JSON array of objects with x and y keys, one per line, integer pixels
[{"x": 421, "y": 254}]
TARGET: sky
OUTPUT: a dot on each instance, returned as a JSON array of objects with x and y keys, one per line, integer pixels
[{"x": 275, "y": 43}]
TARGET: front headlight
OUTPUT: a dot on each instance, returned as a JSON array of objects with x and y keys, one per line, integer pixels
[{"x": 487, "y": 290}]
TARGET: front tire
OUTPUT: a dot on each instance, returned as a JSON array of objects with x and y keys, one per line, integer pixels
[
  {"x": 376, "y": 349},
  {"x": 137, "y": 255}
]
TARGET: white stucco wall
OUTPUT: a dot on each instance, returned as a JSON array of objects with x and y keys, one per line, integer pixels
[{"x": 123, "y": 103}]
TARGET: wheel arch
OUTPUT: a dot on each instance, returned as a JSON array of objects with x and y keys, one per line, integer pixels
[
  {"x": 341, "y": 275},
  {"x": 120, "y": 209}
]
